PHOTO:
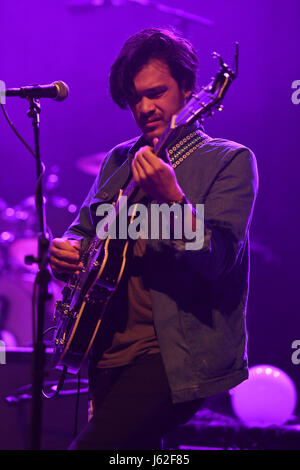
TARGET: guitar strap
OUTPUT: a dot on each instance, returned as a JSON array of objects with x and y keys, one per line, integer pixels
[{"x": 186, "y": 146}]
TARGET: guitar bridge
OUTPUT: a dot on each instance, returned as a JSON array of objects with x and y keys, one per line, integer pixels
[{"x": 61, "y": 308}]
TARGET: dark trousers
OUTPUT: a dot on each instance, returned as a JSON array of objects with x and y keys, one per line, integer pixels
[{"x": 132, "y": 407}]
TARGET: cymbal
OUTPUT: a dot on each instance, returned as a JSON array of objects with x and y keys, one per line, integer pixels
[{"x": 91, "y": 164}]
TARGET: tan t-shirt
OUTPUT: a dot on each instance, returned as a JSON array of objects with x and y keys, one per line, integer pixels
[{"x": 138, "y": 337}]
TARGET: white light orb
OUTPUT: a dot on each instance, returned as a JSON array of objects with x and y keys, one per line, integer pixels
[{"x": 267, "y": 398}]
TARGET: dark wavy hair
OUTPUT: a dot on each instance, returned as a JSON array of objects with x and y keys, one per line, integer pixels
[{"x": 152, "y": 43}]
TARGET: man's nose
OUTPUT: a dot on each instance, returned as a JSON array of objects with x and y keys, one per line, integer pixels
[{"x": 146, "y": 106}]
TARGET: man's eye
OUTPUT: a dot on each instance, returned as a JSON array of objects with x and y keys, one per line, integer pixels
[{"x": 156, "y": 94}]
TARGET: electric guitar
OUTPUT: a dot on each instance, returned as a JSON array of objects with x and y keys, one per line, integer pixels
[{"x": 85, "y": 298}]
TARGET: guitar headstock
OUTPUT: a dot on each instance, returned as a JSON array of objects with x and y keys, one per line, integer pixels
[
  {"x": 201, "y": 104},
  {"x": 209, "y": 97}
]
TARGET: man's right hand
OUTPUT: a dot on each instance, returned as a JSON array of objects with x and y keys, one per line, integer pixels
[{"x": 64, "y": 256}]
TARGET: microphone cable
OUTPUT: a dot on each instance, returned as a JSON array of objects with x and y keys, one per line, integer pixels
[
  {"x": 15, "y": 131},
  {"x": 49, "y": 233}
]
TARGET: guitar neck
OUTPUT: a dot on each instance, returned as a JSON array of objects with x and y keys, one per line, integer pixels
[{"x": 170, "y": 134}]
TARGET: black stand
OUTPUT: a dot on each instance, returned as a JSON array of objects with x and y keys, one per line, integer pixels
[{"x": 42, "y": 280}]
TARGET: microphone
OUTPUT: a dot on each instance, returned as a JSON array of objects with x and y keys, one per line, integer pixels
[{"x": 57, "y": 90}]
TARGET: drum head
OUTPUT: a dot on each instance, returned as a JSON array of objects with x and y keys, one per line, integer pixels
[
  {"x": 16, "y": 306},
  {"x": 19, "y": 249}
]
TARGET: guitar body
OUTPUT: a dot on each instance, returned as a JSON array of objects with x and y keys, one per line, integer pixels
[{"x": 84, "y": 302}]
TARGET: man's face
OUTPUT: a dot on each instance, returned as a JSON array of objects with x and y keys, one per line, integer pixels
[{"x": 158, "y": 97}]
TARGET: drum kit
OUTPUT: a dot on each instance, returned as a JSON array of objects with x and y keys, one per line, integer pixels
[{"x": 18, "y": 240}]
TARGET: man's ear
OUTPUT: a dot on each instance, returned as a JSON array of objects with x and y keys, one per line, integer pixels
[{"x": 187, "y": 93}]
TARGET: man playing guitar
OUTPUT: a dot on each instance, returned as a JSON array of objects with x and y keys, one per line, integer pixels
[{"x": 174, "y": 332}]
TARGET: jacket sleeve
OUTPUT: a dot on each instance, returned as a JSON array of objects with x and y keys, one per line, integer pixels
[{"x": 228, "y": 209}]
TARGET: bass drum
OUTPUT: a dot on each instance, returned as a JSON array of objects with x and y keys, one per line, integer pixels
[{"x": 16, "y": 291}]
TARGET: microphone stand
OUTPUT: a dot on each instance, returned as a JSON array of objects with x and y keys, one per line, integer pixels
[{"x": 42, "y": 281}]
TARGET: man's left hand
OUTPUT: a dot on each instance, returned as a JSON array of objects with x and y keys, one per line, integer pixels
[{"x": 155, "y": 177}]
